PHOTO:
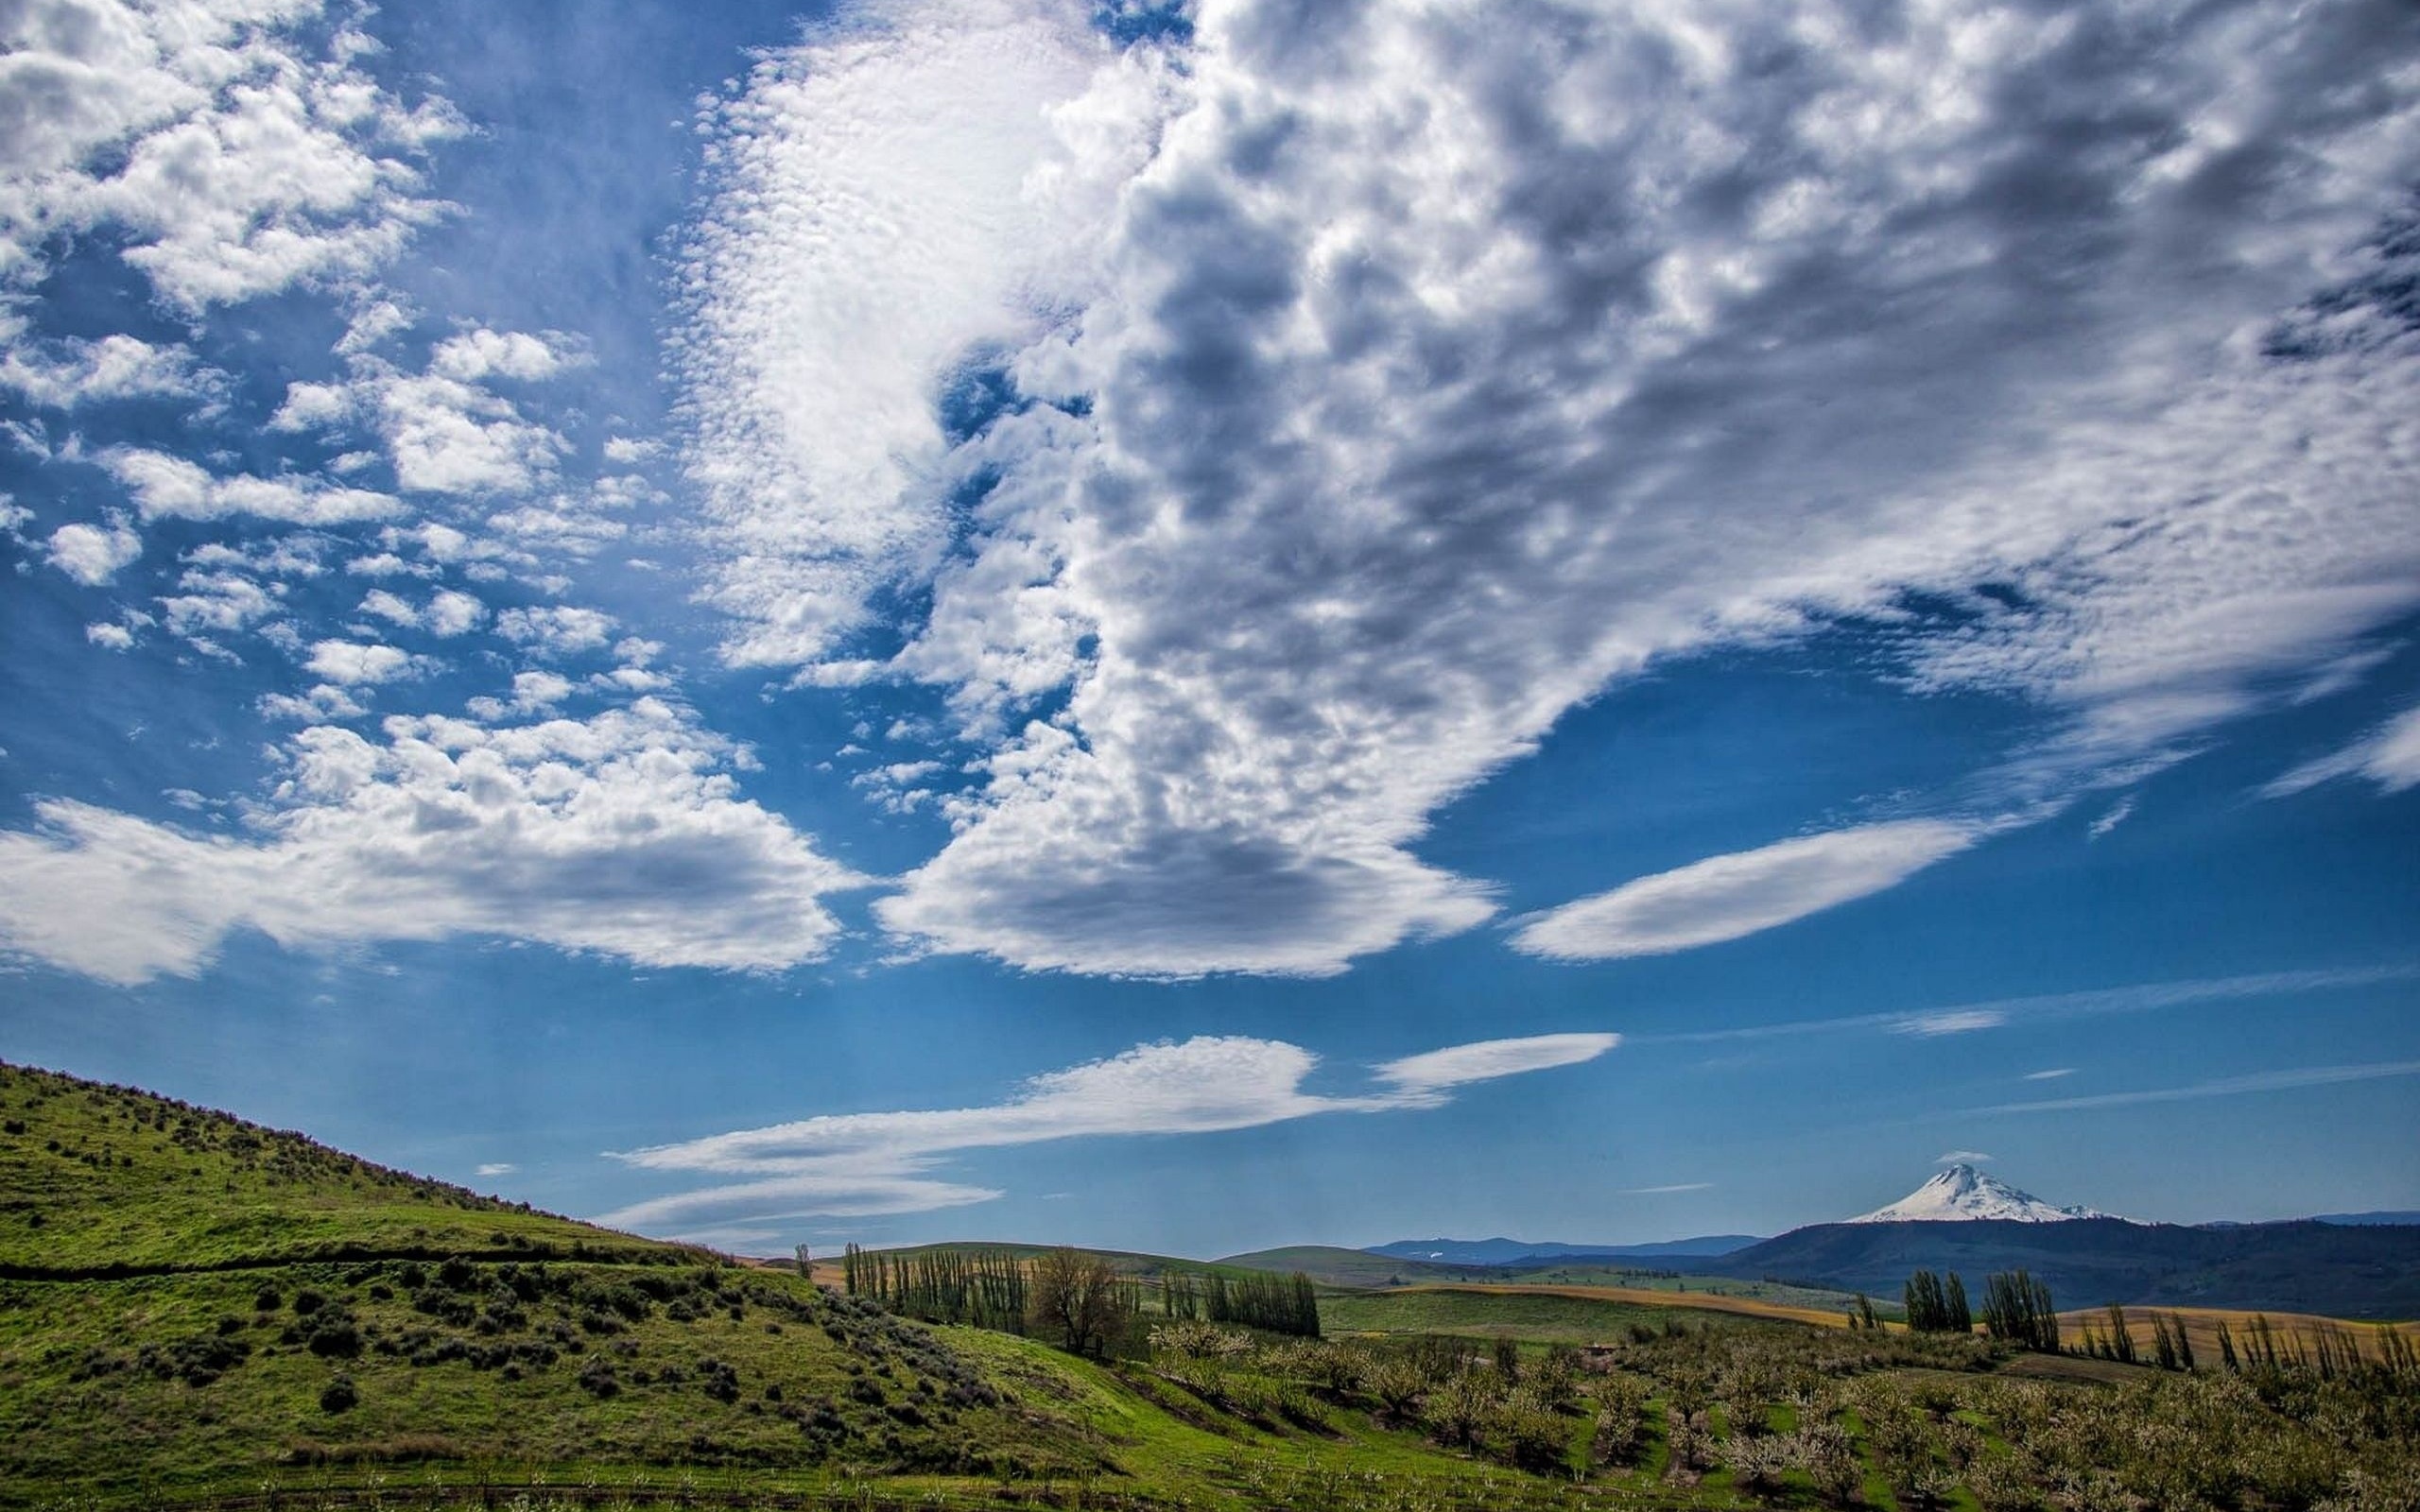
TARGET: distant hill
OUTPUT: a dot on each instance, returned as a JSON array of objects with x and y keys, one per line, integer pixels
[
  {"x": 2369, "y": 1271},
  {"x": 1525, "y": 1251},
  {"x": 2370, "y": 1220},
  {"x": 1330, "y": 1266}
]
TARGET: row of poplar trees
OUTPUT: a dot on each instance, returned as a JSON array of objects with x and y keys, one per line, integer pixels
[
  {"x": 1067, "y": 1293},
  {"x": 1281, "y": 1304},
  {"x": 2016, "y": 1307}
]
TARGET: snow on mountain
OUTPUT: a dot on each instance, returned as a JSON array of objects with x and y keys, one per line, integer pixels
[{"x": 1963, "y": 1193}]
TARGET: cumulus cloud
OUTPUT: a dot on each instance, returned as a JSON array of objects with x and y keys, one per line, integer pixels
[
  {"x": 557, "y": 629},
  {"x": 81, "y": 371},
  {"x": 92, "y": 554},
  {"x": 354, "y": 664},
  {"x": 2389, "y": 756},
  {"x": 452, "y": 612},
  {"x": 167, "y": 486},
  {"x": 855, "y": 1164},
  {"x": 444, "y": 432},
  {"x": 1726, "y": 897},
  {"x": 233, "y": 157},
  {"x": 480, "y": 354},
  {"x": 1419, "y": 384},
  {"x": 619, "y": 834}
]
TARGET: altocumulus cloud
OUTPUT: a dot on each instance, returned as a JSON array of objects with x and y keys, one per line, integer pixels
[
  {"x": 863, "y": 1164},
  {"x": 1421, "y": 380}
]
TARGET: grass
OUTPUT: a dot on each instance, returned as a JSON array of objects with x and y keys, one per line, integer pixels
[
  {"x": 1665, "y": 1302},
  {"x": 1541, "y": 1316},
  {"x": 108, "y": 1180}
]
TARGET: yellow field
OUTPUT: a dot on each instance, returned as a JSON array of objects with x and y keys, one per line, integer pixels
[
  {"x": 1647, "y": 1296},
  {"x": 2202, "y": 1328}
]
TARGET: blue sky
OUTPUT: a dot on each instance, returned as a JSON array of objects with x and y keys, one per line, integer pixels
[{"x": 1203, "y": 626}]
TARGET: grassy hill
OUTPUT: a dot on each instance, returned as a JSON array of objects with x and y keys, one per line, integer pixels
[{"x": 100, "y": 1181}]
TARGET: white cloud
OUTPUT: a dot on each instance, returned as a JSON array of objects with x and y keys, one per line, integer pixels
[
  {"x": 90, "y": 553},
  {"x": 452, "y": 612},
  {"x": 388, "y": 607},
  {"x": 481, "y": 353},
  {"x": 1422, "y": 406},
  {"x": 497, "y": 1168},
  {"x": 1960, "y": 1158},
  {"x": 558, "y": 631},
  {"x": 2053, "y": 1074},
  {"x": 1724, "y": 898},
  {"x": 115, "y": 367},
  {"x": 1666, "y": 1190},
  {"x": 164, "y": 486},
  {"x": 110, "y": 637},
  {"x": 215, "y": 603},
  {"x": 916, "y": 187},
  {"x": 2389, "y": 756},
  {"x": 233, "y": 161},
  {"x": 2263, "y": 1081},
  {"x": 449, "y": 437},
  {"x": 1487, "y": 1059},
  {"x": 619, "y": 834},
  {"x": 2116, "y": 814},
  {"x": 861, "y": 1163},
  {"x": 353, "y": 664},
  {"x": 1935, "y": 1025}
]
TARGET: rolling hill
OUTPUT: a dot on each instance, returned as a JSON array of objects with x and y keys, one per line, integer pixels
[{"x": 1525, "y": 1252}]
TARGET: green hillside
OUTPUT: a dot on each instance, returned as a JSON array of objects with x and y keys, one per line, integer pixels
[{"x": 107, "y": 1179}]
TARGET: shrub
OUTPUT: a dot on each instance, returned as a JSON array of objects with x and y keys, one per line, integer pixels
[{"x": 340, "y": 1395}]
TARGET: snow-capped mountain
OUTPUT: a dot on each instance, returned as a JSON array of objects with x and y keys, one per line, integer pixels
[{"x": 1963, "y": 1193}]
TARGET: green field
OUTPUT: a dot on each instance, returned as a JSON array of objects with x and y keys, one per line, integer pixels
[
  {"x": 197, "y": 1313},
  {"x": 1540, "y": 1319}
]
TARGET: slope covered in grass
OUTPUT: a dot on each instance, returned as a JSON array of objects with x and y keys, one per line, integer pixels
[{"x": 99, "y": 1180}]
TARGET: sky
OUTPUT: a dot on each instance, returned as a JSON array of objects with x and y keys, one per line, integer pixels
[{"x": 1193, "y": 626}]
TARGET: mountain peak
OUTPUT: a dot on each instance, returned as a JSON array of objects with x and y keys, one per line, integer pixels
[{"x": 1961, "y": 1192}]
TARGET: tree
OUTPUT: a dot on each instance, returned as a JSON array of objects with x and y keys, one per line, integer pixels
[
  {"x": 1962, "y": 1318},
  {"x": 2017, "y": 1308},
  {"x": 1078, "y": 1298}
]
